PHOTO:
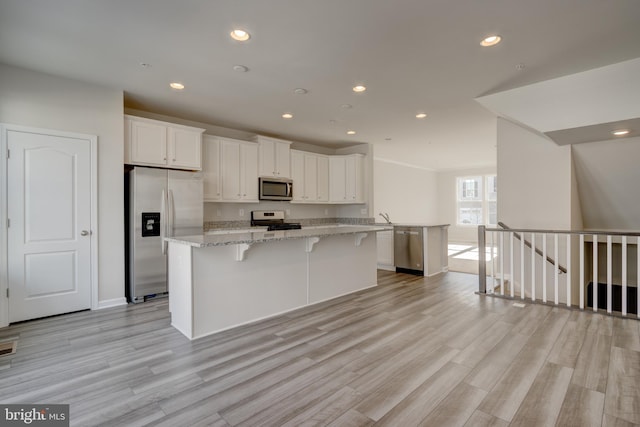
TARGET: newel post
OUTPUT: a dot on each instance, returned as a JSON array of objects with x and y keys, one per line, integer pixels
[{"x": 482, "y": 262}]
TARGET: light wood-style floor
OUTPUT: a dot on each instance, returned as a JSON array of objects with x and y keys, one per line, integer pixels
[{"x": 412, "y": 351}]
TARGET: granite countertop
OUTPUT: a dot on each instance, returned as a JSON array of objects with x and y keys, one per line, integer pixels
[
  {"x": 406, "y": 224},
  {"x": 261, "y": 236}
]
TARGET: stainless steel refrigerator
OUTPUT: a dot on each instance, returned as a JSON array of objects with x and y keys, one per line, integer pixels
[{"x": 161, "y": 203}]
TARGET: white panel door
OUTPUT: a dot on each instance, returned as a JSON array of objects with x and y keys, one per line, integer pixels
[{"x": 49, "y": 236}]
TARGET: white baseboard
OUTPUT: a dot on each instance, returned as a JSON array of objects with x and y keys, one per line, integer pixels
[{"x": 115, "y": 302}]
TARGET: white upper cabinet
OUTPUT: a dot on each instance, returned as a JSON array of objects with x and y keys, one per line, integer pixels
[
  {"x": 346, "y": 179},
  {"x": 274, "y": 157},
  {"x": 310, "y": 173},
  {"x": 154, "y": 143},
  {"x": 297, "y": 175},
  {"x": 239, "y": 171},
  {"x": 323, "y": 179},
  {"x": 211, "y": 168}
]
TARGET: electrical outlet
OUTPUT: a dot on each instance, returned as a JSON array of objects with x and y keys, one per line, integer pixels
[
  {"x": 288, "y": 212},
  {"x": 326, "y": 211},
  {"x": 241, "y": 212},
  {"x": 363, "y": 211},
  {"x": 218, "y": 212}
]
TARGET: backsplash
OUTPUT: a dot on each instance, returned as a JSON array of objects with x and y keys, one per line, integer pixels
[{"x": 305, "y": 222}]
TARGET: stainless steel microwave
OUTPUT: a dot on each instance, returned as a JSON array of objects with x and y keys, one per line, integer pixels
[{"x": 275, "y": 188}]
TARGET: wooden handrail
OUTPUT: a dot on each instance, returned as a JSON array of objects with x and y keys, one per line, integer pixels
[{"x": 528, "y": 244}]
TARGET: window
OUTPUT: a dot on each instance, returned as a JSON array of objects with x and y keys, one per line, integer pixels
[{"x": 477, "y": 200}]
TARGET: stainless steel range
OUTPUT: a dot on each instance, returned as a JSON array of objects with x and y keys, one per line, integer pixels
[{"x": 274, "y": 220}]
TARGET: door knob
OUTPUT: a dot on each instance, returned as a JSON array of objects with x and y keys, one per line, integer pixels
[{"x": 85, "y": 233}]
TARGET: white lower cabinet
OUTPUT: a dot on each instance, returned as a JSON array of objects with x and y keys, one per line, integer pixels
[{"x": 384, "y": 247}]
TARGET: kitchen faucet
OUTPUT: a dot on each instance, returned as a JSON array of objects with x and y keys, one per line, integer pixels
[{"x": 385, "y": 216}]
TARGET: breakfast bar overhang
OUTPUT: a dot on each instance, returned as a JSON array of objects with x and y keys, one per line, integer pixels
[{"x": 217, "y": 282}]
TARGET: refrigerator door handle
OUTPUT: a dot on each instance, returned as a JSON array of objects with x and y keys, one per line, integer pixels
[
  {"x": 163, "y": 222},
  {"x": 171, "y": 209}
]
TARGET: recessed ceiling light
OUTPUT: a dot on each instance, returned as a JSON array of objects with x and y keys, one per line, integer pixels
[
  {"x": 620, "y": 132},
  {"x": 287, "y": 116},
  {"x": 176, "y": 85},
  {"x": 359, "y": 88},
  {"x": 346, "y": 106},
  {"x": 387, "y": 139},
  {"x": 351, "y": 132},
  {"x": 491, "y": 40},
  {"x": 240, "y": 35},
  {"x": 300, "y": 91},
  {"x": 145, "y": 65},
  {"x": 240, "y": 68},
  {"x": 421, "y": 115}
]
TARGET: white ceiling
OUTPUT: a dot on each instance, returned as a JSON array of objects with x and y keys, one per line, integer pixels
[{"x": 413, "y": 56}]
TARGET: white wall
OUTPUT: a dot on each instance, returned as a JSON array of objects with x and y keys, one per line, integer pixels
[
  {"x": 608, "y": 173},
  {"x": 537, "y": 190},
  {"x": 44, "y": 101},
  {"x": 534, "y": 180},
  {"x": 408, "y": 194},
  {"x": 447, "y": 203}
]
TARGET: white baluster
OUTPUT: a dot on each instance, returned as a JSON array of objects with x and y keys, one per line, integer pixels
[
  {"x": 501, "y": 252},
  {"x": 511, "y": 285},
  {"x": 569, "y": 270},
  {"x": 595, "y": 273},
  {"x": 556, "y": 272},
  {"x": 493, "y": 263},
  {"x": 581, "y": 284},
  {"x": 522, "y": 266},
  {"x": 533, "y": 266},
  {"x": 624, "y": 275},
  {"x": 609, "y": 274},
  {"x": 544, "y": 267}
]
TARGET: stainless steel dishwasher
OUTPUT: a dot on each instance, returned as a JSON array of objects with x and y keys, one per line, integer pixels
[{"x": 408, "y": 249}]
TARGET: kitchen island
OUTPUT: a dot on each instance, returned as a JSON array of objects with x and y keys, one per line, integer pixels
[{"x": 219, "y": 281}]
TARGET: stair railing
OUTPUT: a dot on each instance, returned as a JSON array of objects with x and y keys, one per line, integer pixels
[
  {"x": 538, "y": 251},
  {"x": 528, "y": 276}
]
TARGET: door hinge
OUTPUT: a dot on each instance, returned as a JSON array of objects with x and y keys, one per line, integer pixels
[
  {"x": 8, "y": 222},
  {"x": 8, "y": 153},
  {"x": 7, "y": 292}
]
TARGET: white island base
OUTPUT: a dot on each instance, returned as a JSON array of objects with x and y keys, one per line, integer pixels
[{"x": 213, "y": 287}]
